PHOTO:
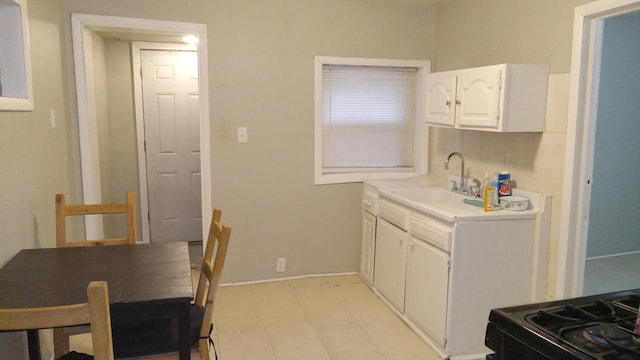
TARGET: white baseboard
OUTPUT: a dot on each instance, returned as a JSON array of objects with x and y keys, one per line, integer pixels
[{"x": 287, "y": 278}]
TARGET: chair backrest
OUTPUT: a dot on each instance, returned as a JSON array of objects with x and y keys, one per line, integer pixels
[
  {"x": 208, "y": 256},
  {"x": 94, "y": 312},
  {"x": 218, "y": 242},
  {"x": 63, "y": 211}
]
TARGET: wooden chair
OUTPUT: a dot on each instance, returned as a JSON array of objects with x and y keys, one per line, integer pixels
[
  {"x": 218, "y": 240},
  {"x": 61, "y": 335},
  {"x": 63, "y": 210},
  {"x": 94, "y": 312},
  {"x": 208, "y": 255},
  {"x": 157, "y": 336}
]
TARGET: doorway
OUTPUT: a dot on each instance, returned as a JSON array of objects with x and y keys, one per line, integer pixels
[
  {"x": 84, "y": 29},
  {"x": 581, "y": 134},
  {"x": 613, "y": 250}
]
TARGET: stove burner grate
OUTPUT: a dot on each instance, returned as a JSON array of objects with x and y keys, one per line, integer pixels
[{"x": 603, "y": 329}]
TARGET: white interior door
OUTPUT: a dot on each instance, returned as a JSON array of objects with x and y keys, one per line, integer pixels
[{"x": 172, "y": 141}]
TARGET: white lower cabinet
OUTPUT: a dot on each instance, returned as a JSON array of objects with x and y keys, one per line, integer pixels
[
  {"x": 443, "y": 278},
  {"x": 389, "y": 262},
  {"x": 426, "y": 292},
  {"x": 367, "y": 248}
]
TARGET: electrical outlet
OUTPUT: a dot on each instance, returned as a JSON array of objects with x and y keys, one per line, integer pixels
[
  {"x": 281, "y": 264},
  {"x": 52, "y": 118}
]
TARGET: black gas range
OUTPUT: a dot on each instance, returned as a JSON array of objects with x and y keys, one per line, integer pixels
[{"x": 591, "y": 327}]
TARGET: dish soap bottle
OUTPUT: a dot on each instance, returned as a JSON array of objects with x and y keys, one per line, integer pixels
[{"x": 489, "y": 194}]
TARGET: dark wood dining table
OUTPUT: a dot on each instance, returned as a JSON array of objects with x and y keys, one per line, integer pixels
[{"x": 137, "y": 275}]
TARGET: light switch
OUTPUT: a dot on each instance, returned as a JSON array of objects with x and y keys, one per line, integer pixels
[
  {"x": 243, "y": 137},
  {"x": 52, "y": 118}
]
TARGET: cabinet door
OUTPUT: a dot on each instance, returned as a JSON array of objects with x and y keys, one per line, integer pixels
[
  {"x": 390, "y": 263},
  {"x": 427, "y": 284},
  {"x": 368, "y": 246},
  {"x": 478, "y": 93},
  {"x": 440, "y": 102}
]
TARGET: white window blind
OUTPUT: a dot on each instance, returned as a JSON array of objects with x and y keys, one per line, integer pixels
[{"x": 368, "y": 118}]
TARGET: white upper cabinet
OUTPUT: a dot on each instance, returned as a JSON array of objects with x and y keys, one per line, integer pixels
[
  {"x": 478, "y": 98},
  {"x": 499, "y": 98},
  {"x": 441, "y": 98}
]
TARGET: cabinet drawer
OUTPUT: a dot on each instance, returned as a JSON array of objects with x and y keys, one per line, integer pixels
[
  {"x": 394, "y": 214},
  {"x": 432, "y": 232},
  {"x": 369, "y": 199}
]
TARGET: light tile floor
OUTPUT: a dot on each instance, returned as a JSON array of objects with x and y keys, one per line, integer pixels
[
  {"x": 612, "y": 274},
  {"x": 324, "y": 318},
  {"x": 333, "y": 317}
]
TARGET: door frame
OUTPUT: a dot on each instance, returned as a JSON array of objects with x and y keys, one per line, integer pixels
[
  {"x": 81, "y": 27},
  {"x": 583, "y": 102},
  {"x": 136, "y": 48}
]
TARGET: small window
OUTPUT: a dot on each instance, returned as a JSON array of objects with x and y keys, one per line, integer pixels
[
  {"x": 16, "y": 93},
  {"x": 368, "y": 119}
]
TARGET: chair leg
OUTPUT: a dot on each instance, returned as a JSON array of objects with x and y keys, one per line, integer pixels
[
  {"x": 60, "y": 342},
  {"x": 207, "y": 349}
]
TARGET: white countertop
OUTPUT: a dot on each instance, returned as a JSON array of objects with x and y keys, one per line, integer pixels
[
  {"x": 421, "y": 181},
  {"x": 420, "y": 195}
]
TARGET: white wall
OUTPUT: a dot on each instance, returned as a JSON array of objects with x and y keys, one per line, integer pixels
[
  {"x": 100, "y": 81},
  {"x": 34, "y": 158},
  {"x": 613, "y": 220},
  {"x": 261, "y": 57},
  {"x": 121, "y": 130}
]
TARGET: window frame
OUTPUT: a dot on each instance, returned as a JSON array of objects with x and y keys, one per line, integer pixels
[
  {"x": 18, "y": 62},
  {"x": 421, "y": 130}
]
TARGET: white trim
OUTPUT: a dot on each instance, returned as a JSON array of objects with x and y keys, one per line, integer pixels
[
  {"x": 22, "y": 104},
  {"x": 421, "y": 140},
  {"x": 288, "y": 278},
  {"x": 87, "y": 129},
  {"x": 136, "y": 48},
  {"x": 579, "y": 147},
  {"x": 82, "y": 21},
  {"x": 627, "y": 253}
]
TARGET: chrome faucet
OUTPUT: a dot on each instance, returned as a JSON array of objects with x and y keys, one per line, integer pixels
[{"x": 461, "y": 187}]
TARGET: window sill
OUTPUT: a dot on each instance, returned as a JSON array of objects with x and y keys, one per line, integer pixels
[{"x": 327, "y": 179}]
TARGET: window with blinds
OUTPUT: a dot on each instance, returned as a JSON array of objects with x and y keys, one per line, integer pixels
[{"x": 366, "y": 119}]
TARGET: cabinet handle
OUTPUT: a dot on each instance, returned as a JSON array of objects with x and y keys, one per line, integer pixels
[
  {"x": 412, "y": 245},
  {"x": 400, "y": 240},
  {"x": 458, "y": 102},
  {"x": 448, "y": 103}
]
